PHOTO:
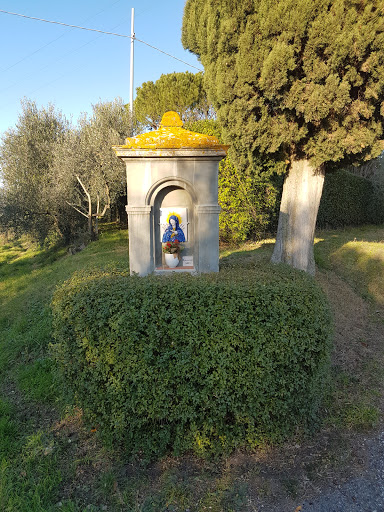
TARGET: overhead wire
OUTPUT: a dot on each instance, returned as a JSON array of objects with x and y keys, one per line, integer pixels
[
  {"x": 101, "y": 32},
  {"x": 54, "y": 40},
  {"x": 57, "y": 59},
  {"x": 63, "y": 56}
]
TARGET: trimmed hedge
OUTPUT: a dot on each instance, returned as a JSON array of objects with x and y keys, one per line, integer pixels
[
  {"x": 207, "y": 363},
  {"x": 349, "y": 200}
]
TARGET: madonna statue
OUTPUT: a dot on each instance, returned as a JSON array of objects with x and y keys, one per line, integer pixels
[{"x": 173, "y": 231}]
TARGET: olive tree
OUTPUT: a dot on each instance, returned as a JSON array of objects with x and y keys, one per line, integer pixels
[
  {"x": 85, "y": 165},
  {"x": 26, "y": 156}
]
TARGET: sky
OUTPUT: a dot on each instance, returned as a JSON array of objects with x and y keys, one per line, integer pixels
[{"x": 74, "y": 69}]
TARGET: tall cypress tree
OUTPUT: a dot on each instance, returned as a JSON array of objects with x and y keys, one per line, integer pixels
[{"x": 299, "y": 81}]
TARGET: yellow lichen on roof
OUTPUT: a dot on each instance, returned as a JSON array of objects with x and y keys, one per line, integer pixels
[
  {"x": 171, "y": 119},
  {"x": 171, "y": 135}
]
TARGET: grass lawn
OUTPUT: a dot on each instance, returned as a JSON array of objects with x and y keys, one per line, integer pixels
[
  {"x": 357, "y": 255},
  {"x": 49, "y": 460}
]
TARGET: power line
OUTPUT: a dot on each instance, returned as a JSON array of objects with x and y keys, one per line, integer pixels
[
  {"x": 100, "y": 32},
  {"x": 168, "y": 54},
  {"x": 63, "y": 24},
  {"x": 57, "y": 59},
  {"x": 47, "y": 66},
  {"x": 63, "y": 56},
  {"x": 56, "y": 39}
]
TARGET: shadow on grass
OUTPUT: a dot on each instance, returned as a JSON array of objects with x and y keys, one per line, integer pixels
[
  {"x": 15, "y": 260},
  {"x": 247, "y": 255},
  {"x": 356, "y": 255}
]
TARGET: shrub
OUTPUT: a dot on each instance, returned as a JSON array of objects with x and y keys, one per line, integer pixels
[
  {"x": 349, "y": 200},
  {"x": 203, "y": 363}
]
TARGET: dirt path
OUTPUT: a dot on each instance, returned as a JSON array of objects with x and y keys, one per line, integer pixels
[
  {"x": 339, "y": 470},
  {"x": 359, "y": 333}
]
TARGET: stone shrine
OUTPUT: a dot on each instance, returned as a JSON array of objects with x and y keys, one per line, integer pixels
[{"x": 173, "y": 211}]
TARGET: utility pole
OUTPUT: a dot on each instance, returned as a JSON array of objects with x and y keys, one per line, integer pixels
[{"x": 131, "y": 71}]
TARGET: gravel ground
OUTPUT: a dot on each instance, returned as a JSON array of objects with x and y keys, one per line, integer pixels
[
  {"x": 365, "y": 492},
  {"x": 357, "y": 484},
  {"x": 361, "y": 494}
]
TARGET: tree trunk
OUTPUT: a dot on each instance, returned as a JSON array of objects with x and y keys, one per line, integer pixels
[
  {"x": 298, "y": 213},
  {"x": 96, "y": 233},
  {"x": 89, "y": 216}
]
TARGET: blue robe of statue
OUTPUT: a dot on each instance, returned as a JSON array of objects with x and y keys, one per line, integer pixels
[{"x": 173, "y": 233}]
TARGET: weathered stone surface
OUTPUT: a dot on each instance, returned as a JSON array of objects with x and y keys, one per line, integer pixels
[{"x": 172, "y": 167}]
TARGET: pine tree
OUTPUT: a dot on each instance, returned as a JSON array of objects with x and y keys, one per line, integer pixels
[
  {"x": 182, "y": 92},
  {"x": 299, "y": 81}
]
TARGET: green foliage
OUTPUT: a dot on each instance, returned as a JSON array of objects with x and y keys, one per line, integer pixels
[
  {"x": 27, "y": 152},
  {"x": 250, "y": 202},
  {"x": 207, "y": 126},
  {"x": 293, "y": 79},
  {"x": 42, "y": 160},
  {"x": 180, "y": 92},
  {"x": 249, "y": 198},
  {"x": 87, "y": 174},
  {"x": 203, "y": 363},
  {"x": 349, "y": 200},
  {"x": 294, "y": 82}
]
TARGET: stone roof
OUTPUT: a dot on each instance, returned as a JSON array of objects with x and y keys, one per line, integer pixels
[{"x": 172, "y": 135}]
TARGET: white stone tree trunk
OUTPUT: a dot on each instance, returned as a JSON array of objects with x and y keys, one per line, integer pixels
[{"x": 297, "y": 220}]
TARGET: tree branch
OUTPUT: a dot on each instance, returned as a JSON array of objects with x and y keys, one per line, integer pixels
[
  {"x": 106, "y": 207},
  {"x": 83, "y": 187},
  {"x": 75, "y": 208}
]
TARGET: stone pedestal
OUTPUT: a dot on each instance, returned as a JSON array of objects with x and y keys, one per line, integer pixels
[{"x": 172, "y": 171}]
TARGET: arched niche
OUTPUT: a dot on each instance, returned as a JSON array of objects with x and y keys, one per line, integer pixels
[{"x": 165, "y": 197}]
